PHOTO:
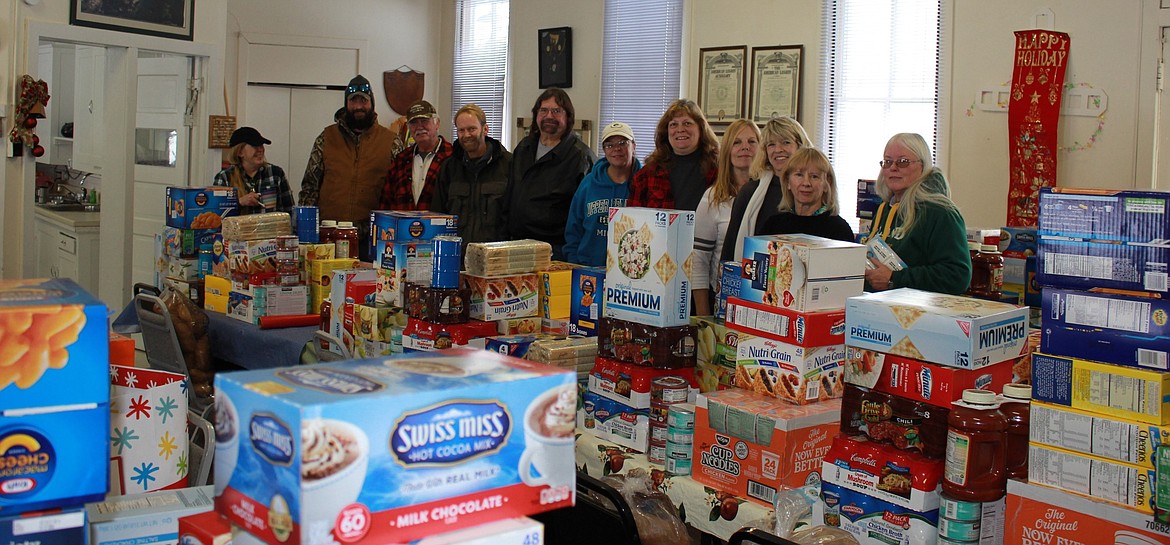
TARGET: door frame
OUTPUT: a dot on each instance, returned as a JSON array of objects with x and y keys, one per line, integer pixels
[
  {"x": 117, "y": 215},
  {"x": 249, "y": 39},
  {"x": 1151, "y": 119}
]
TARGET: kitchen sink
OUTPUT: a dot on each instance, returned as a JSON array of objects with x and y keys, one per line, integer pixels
[{"x": 70, "y": 207}]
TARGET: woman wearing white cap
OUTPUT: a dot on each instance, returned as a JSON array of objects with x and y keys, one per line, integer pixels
[{"x": 606, "y": 185}]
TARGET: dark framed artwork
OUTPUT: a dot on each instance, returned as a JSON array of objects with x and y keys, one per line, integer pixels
[
  {"x": 556, "y": 57},
  {"x": 165, "y": 18},
  {"x": 776, "y": 82},
  {"x": 721, "y": 77}
]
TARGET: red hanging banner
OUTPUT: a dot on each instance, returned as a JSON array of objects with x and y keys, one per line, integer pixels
[{"x": 1033, "y": 116}]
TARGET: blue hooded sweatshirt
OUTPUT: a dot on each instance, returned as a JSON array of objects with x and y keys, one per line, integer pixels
[{"x": 588, "y": 223}]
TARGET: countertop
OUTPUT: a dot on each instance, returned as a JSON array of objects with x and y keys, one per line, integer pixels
[{"x": 75, "y": 220}]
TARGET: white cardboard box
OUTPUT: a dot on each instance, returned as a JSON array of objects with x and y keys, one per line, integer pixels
[
  {"x": 146, "y": 518},
  {"x": 801, "y": 272},
  {"x": 648, "y": 257}
]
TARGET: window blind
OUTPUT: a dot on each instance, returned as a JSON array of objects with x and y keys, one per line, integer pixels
[
  {"x": 640, "y": 66},
  {"x": 481, "y": 61}
]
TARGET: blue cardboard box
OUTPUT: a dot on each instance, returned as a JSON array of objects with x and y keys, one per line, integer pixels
[
  {"x": 200, "y": 207},
  {"x": 729, "y": 279},
  {"x": 1130, "y": 330},
  {"x": 586, "y": 300},
  {"x": 56, "y": 527},
  {"x": 868, "y": 200},
  {"x": 54, "y": 459},
  {"x": 409, "y": 226}
]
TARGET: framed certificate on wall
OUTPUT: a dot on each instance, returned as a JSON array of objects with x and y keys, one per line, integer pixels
[
  {"x": 721, "y": 83},
  {"x": 776, "y": 82}
]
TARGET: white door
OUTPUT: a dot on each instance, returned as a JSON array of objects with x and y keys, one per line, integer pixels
[
  {"x": 161, "y": 150},
  {"x": 1162, "y": 129},
  {"x": 291, "y": 118}
]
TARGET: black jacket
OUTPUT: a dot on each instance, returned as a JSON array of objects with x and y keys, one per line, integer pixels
[
  {"x": 539, "y": 192},
  {"x": 475, "y": 191}
]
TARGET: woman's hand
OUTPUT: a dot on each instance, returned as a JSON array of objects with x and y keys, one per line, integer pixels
[
  {"x": 878, "y": 277},
  {"x": 250, "y": 199}
]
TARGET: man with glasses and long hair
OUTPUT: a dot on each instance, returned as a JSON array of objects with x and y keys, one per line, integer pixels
[
  {"x": 547, "y": 167},
  {"x": 349, "y": 162}
]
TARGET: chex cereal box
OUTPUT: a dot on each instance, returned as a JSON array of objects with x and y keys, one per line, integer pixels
[
  {"x": 390, "y": 450},
  {"x": 935, "y": 384},
  {"x": 803, "y": 328},
  {"x": 801, "y": 272},
  {"x": 647, "y": 262},
  {"x": 1126, "y": 329},
  {"x": 944, "y": 329},
  {"x": 1134, "y": 394},
  {"x": 753, "y": 445},
  {"x": 1038, "y": 514},
  {"x": 795, "y": 374},
  {"x": 54, "y": 395},
  {"x": 200, "y": 207}
]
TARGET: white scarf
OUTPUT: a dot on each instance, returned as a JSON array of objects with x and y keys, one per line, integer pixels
[{"x": 747, "y": 225}]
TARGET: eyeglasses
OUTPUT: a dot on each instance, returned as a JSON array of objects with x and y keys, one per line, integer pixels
[
  {"x": 902, "y": 163},
  {"x": 552, "y": 111},
  {"x": 360, "y": 88},
  {"x": 611, "y": 145}
]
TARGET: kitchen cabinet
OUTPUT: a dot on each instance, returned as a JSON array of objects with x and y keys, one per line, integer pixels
[
  {"x": 56, "y": 66},
  {"x": 67, "y": 246},
  {"x": 88, "y": 108}
]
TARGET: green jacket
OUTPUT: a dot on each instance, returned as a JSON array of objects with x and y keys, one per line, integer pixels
[{"x": 935, "y": 251}]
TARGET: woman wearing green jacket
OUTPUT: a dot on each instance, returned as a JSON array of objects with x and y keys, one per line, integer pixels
[{"x": 919, "y": 221}]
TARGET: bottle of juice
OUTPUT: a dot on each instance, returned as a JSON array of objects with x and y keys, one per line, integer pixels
[
  {"x": 1015, "y": 406},
  {"x": 976, "y": 459}
]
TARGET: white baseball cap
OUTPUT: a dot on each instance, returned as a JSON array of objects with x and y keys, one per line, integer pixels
[{"x": 617, "y": 128}]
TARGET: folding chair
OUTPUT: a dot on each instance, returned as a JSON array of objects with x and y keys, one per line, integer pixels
[
  {"x": 601, "y": 515},
  {"x": 162, "y": 344},
  {"x": 200, "y": 448},
  {"x": 322, "y": 339}
]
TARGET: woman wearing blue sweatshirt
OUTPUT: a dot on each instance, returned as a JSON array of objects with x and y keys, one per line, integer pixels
[{"x": 606, "y": 185}]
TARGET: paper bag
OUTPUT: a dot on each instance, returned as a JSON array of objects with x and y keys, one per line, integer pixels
[{"x": 148, "y": 435}]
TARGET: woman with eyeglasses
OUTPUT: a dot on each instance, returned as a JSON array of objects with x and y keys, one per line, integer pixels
[
  {"x": 760, "y": 198},
  {"x": 605, "y": 186},
  {"x": 919, "y": 221},
  {"x": 809, "y": 203},
  {"x": 682, "y": 165},
  {"x": 737, "y": 151}
]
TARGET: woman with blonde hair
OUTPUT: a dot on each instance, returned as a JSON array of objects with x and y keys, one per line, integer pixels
[
  {"x": 737, "y": 151},
  {"x": 260, "y": 185},
  {"x": 809, "y": 204},
  {"x": 760, "y": 198},
  {"x": 682, "y": 164},
  {"x": 919, "y": 221}
]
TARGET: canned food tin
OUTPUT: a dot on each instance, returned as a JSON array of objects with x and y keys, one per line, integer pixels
[
  {"x": 678, "y": 467},
  {"x": 947, "y": 541},
  {"x": 679, "y": 451},
  {"x": 669, "y": 390},
  {"x": 305, "y": 220},
  {"x": 681, "y": 416},
  {"x": 658, "y": 413},
  {"x": 656, "y": 454},
  {"x": 658, "y": 433},
  {"x": 953, "y": 509},
  {"x": 682, "y": 437},
  {"x": 447, "y": 259},
  {"x": 959, "y": 530}
]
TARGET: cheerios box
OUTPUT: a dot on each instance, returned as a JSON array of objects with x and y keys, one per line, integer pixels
[
  {"x": 648, "y": 256},
  {"x": 753, "y": 445},
  {"x": 801, "y": 272},
  {"x": 945, "y": 329},
  {"x": 390, "y": 450},
  {"x": 200, "y": 207}
]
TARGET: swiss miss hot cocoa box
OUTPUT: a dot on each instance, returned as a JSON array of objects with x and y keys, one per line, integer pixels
[
  {"x": 390, "y": 450},
  {"x": 753, "y": 445},
  {"x": 648, "y": 256}
]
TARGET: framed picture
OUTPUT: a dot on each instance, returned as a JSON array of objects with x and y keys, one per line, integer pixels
[
  {"x": 166, "y": 18},
  {"x": 721, "y": 88},
  {"x": 556, "y": 57},
  {"x": 776, "y": 82}
]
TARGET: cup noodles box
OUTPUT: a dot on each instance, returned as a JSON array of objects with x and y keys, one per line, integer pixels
[
  {"x": 801, "y": 272},
  {"x": 916, "y": 380},
  {"x": 1108, "y": 437},
  {"x": 1133, "y": 394},
  {"x": 647, "y": 262},
  {"x": 937, "y": 328},
  {"x": 818, "y": 328},
  {"x": 900, "y": 477},
  {"x": 795, "y": 374},
  {"x": 390, "y": 450},
  {"x": 1126, "y": 329},
  {"x": 586, "y": 300},
  {"x": 501, "y": 297},
  {"x": 200, "y": 207},
  {"x": 1038, "y": 514},
  {"x": 752, "y": 445},
  {"x": 1109, "y": 480}
]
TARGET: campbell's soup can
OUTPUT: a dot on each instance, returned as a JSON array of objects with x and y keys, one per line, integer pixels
[
  {"x": 669, "y": 390},
  {"x": 656, "y": 454},
  {"x": 306, "y": 221}
]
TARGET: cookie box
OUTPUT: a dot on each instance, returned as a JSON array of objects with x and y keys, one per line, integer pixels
[
  {"x": 1123, "y": 328},
  {"x": 646, "y": 345},
  {"x": 1108, "y": 437},
  {"x": 391, "y": 226},
  {"x": 586, "y": 300},
  {"x": 876, "y": 522},
  {"x": 631, "y": 384},
  {"x": 893, "y": 420},
  {"x": 55, "y": 527},
  {"x": 900, "y": 477},
  {"x": 647, "y": 258},
  {"x": 752, "y": 445},
  {"x": 1133, "y": 394},
  {"x": 1125, "y": 484},
  {"x": 1040, "y": 514},
  {"x": 795, "y": 374},
  {"x": 801, "y": 272},
  {"x": 917, "y": 380},
  {"x": 944, "y": 329},
  {"x": 400, "y": 263},
  {"x": 200, "y": 207},
  {"x": 715, "y": 354},
  {"x": 425, "y": 336},
  {"x": 614, "y": 421},
  {"x": 818, "y": 328},
  {"x": 502, "y": 297},
  {"x": 393, "y": 449}
]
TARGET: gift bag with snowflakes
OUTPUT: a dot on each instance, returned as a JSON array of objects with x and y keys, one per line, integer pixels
[{"x": 148, "y": 435}]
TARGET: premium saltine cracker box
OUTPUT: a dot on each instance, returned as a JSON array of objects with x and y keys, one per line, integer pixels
[
  {"x": 648, "y": 254},
  {"x": 944, "y": 329}
]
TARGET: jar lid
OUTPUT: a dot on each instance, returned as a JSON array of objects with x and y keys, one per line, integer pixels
[
  {"x": 973, "y": 246},
  {"x": 345, "y": 224},
  {"x": 989, "y": 248},
  {"x": 328, "y": 223},
  {"x": 1017, "y": 391},
  {"x": 979, "y": 397}
]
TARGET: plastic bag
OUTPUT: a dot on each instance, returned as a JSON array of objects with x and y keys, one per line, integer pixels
[
  {"x": 654, "y": 513},
  {"x": 822, "y": 535},
  {"x": 190, "y": 323}
]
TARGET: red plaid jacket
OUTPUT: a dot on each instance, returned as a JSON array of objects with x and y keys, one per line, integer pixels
[
  {"x": 651, "y": 187},
  {"x": 397, "y": 194}
]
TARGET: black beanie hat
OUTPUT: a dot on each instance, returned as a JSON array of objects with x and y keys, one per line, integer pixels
[{"x": 359, "y": 85}]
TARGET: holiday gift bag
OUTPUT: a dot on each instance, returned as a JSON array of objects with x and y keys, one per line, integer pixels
[{"x": 148, "y": 430}]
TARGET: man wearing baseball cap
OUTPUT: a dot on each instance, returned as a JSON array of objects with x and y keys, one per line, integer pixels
[
  {"x": 605, "y": 186},
  {"x": 348, "y": 164},
  {"x": 410, "y": 183}
]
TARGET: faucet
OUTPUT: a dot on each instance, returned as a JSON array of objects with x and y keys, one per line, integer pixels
[{"x": 77, "y": 198}]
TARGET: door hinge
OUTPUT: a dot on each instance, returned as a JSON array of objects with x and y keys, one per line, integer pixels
[{"x": 194, "y": 85}]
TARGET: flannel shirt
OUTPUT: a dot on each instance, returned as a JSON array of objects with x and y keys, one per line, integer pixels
[
  {"x": 650, "y": 187},
  {"x": 268, "y": 177},
  {"x": 398, "y": 193}
]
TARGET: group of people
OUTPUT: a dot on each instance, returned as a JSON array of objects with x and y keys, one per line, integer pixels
[{"x": 552, "y": 187}]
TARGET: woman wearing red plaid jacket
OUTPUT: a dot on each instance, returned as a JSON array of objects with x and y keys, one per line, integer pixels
[{"x": 683, "y": 163}]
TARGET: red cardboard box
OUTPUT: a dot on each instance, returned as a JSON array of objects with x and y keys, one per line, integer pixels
[
  {"x": 820, "y": 328},
  {"x": 208, "y": 528},
  {"x": 630, "y": 384},
  {"x": 918, "y": 380}
]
